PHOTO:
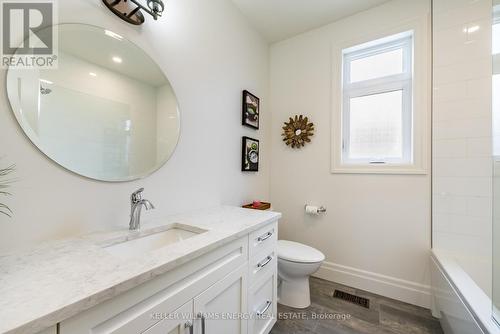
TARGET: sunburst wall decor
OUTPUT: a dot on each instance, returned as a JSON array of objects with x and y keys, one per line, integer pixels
[{"x": 297, "y": 131}]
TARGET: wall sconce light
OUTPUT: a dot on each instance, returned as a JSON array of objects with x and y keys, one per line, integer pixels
[{"x": 131, "y": 10}]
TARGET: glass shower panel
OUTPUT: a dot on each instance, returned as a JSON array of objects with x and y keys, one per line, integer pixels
[{"x": 496, "y": 158}]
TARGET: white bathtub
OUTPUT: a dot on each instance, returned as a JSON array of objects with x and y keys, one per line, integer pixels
[{"x": 461, "y": 304}]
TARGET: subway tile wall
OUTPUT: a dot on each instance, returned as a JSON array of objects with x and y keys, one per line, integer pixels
[{"x": 462, "y": 123}]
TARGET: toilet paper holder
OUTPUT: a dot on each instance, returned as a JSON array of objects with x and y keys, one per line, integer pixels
[{"x": 319, "y": 210}]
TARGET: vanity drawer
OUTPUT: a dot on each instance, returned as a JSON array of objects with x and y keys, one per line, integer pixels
[
  {"x": 262, "y": 263},
  {"x": 263, "y": 304},
  {"x": 263, "y": 238}
]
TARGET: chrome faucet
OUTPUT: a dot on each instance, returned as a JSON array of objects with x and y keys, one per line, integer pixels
[{"x": 136, "y": 203}]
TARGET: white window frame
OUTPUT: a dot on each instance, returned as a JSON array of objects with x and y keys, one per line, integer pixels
[
  {"x": 397, "y": 82},
  {"x": 421, "y": 99}
]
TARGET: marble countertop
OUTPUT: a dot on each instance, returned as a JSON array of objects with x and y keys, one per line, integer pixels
[{"x": 56, "y": 280}]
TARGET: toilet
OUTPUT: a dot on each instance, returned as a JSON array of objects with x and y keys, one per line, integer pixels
[{"x": 296, "y": 262}]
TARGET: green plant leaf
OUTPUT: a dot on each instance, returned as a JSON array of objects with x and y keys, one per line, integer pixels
[
  {"x": 4, "y": 184},
  {"x": 7, "y": 170},
  {"x": 6, "y": 214},
  {"x": 5, "y": 210}
]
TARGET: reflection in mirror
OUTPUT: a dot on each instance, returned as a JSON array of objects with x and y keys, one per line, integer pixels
[
  {"x": 107, "y": 112},
  {"x": 496, "y": 159}
]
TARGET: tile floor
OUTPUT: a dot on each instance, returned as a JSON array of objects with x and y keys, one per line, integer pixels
[{"x": 385, "y": 316}]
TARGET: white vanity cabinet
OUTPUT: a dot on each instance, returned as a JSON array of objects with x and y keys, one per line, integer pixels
[
  {"x": 211, "y": 311},
  {"x": 219, "y": 292},
  {"x": 262, "y": 300},
  {"x": 263, "y": 280},
  {"x": 220, "y": 307}
]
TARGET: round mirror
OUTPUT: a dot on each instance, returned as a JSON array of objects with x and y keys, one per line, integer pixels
[{"x": 107, "y": 112}]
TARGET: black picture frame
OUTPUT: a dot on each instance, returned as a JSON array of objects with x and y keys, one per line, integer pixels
[
  {"x": 250, "y": 155},
  {"x": 250, "y": 110}
]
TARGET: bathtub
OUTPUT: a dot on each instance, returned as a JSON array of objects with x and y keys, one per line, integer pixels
[{"x": 461, "y": 301}]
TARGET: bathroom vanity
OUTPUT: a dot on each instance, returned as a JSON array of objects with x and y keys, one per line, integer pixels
[
  {"x": 209, "y": 272},
  {"x": 213, "y": 271}
]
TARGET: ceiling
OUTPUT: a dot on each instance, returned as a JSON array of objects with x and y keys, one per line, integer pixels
[{"x": 280, "y": 19}]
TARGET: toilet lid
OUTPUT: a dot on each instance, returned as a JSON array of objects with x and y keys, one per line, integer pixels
[{"x": 296, "y": 252}]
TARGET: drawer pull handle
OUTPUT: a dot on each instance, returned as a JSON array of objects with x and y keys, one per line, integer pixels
[
  {"x": 265, "y": 262},
  {"x": 189, "y": 325},
  {"x": 265, "y": 237},
  {"x": 264, "y": 309}
]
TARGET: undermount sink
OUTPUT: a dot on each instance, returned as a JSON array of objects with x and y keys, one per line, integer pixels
[{"x": 153, "y": 240}]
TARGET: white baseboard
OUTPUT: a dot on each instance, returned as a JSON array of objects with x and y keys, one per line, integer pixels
[{"x": 395, "y": 288}]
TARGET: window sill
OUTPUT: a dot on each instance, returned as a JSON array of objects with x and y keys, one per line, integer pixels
[{"x": 379, "y": 169}]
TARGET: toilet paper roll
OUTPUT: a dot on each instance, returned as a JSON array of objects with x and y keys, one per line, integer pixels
[{"x": 312, "y": 210}]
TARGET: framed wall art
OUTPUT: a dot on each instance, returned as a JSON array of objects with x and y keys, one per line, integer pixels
[
  {"x": 251, "y": 110},
  {"x": 250, "y": 155}
]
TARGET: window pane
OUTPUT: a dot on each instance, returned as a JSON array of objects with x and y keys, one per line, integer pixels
[
  {"x": 376, "y": 126},
  {"x": 377, "y": 66}
]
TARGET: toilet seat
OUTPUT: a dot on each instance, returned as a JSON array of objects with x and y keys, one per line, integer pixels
[{"x": 299, "y": 253}]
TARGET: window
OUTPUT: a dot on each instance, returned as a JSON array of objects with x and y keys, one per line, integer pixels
[{"x": 377, "y": 102}]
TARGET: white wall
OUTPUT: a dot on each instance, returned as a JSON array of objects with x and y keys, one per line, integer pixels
[
  {"x": 462, "y": 143},
  {"x": 167, "y": 112},
  {"x": 376, "y": 233},
  {"x": 210, "y": 55}
]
